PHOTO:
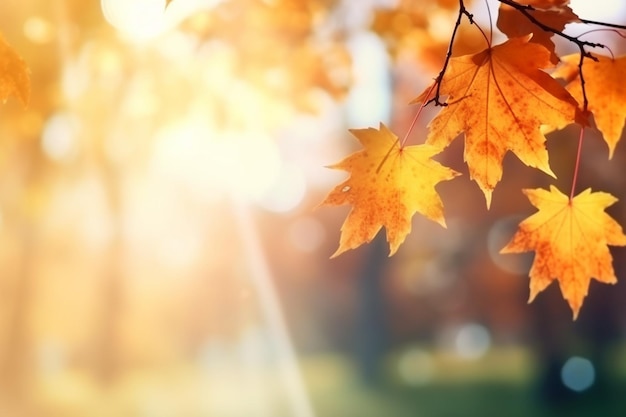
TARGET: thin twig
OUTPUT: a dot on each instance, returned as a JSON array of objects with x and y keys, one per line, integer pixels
[
  {"x": 462, "y": 11},
  {"x": 581, "y": 61},
  {"x": 609, "y": 25}
]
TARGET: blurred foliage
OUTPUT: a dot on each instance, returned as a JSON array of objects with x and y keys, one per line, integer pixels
[
  {"x": 289, "y": 48},
  {"x": 115, "y": 245},
  {"x": 420, "y": 31},
  {"x": 14, "y": 78}
]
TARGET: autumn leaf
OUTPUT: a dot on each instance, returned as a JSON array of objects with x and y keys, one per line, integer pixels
[
  {"x": 553, "y": 13},
  {"x": 605, "y": 89},
  {"x": 387, "y": 185},
  {"x": 500, "y": 98},
  {"x": 570, "y": 241},
  {"x": 14, "y": 77}
]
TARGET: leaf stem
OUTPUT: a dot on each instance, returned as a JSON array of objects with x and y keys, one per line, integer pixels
[
  {"x": 577, "y": 166},
  {"x": 417, "y": 115},
  {"x": 406, "y": 136}
]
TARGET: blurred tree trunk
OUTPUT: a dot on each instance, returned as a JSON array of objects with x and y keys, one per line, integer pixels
[
  {"x": 17, "y": 361},
  {"x": 107, "y": 349},
  {"x": 372, "y": 329},
  {"x": 17, "y": 367}
]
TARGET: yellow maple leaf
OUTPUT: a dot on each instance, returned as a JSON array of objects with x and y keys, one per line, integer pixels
[
  {"x": 500, "y": 97},
  {"x": 387, "y": 185},
  {"x": 14, "y": 78},
  {"x": 605, "y": 89},
  {"x": 553, "y": 13},
  {"x": 570, "y": 239}
]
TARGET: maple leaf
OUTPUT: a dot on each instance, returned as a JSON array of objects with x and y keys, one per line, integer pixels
[
  {"x": 553, "y": 13},
  {"x": 14, "y": 77},
  {"x": 387, "y": 185},
  {"x": 605, "y": 90},
  {"x": 500, "y": 98},
  {"x": 570, "y": 241}
]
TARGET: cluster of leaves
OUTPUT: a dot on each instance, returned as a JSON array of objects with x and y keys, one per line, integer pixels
[{"x": 502, "y": 99}]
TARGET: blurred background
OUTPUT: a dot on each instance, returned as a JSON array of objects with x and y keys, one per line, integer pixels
[{"x": 161, "y": 249}]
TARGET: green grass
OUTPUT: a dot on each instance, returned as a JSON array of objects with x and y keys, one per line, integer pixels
[
  {"x": 430, "y": 383},
  {"x": 501, "y": 384}
]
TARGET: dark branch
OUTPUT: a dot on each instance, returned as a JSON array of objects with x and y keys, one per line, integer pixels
[
  {"x": 583, "y": 54},
  {"x": 582, "y": 44},
  {"x": 462, "y": 12},
  {"x": 608, "y": 25},
  {"x": 526, "y": 9}
]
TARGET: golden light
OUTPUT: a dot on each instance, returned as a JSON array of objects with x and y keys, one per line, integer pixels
[
  {"x": 138, "y": 19},
  {"x": 39, "y": 30},
  {"x": 159, "y": 147},
  {"x": 286, "y": 191},
  {"x": 59, "y": 136},
  {"x": 214, "y": 163}
]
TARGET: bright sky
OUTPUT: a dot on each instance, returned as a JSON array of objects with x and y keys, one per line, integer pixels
[{"x": 603, "y": 10}]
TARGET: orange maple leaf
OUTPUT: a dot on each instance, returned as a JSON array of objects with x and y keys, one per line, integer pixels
[
  {"x": 387, "y": 185},
  {"x": 500, "y": 98},
  {"x": 570, "y": 239},
  {"x": 553, "y": 13},
  {"x": 14, "y": 77},
  {"x": 605, "y": 89}
]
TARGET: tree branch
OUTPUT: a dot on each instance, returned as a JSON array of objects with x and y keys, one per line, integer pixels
[
  {"x": 462, "y": 11},
  {"x": 582, "y": 44},
  {"x": 608, "y": 25},
  {"x": 526, "y": 9}
]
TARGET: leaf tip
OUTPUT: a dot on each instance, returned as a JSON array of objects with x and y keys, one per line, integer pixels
[
  {"x": 507, "y": 249},
  {"x": 488, "y": 193},
  {"x": 611, "y": 150},
  {"x": 338, "y": 252}
]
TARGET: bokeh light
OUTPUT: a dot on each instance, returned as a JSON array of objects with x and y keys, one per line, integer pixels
[
  {"x": 306, "y": 234},
  {"x": 416, "y": 367},
  {"x": 139, "y": 19},
  {"x": 578, "y": 374},
  {"x": 499, "y": 235},
  {"x": 472, "y": 341},
  {"x": 59, "y": 138},
  {"x": 39, "y": 30}
]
